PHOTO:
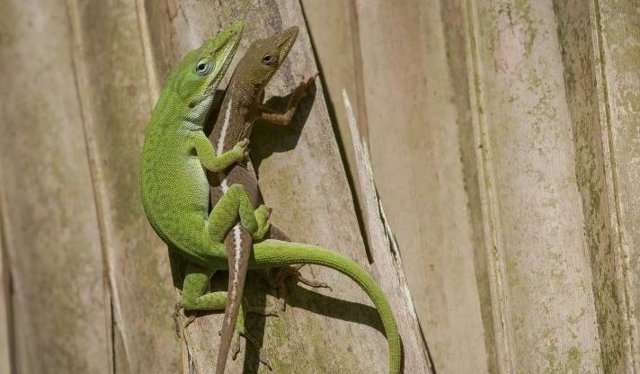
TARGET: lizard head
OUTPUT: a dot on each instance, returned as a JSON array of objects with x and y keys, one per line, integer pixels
[
  {"x": 200, "y": 71},
  {"x": 265, "y": 56}
]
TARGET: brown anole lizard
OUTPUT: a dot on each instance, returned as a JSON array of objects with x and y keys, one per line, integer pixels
[{"x": 241, "y": 107}]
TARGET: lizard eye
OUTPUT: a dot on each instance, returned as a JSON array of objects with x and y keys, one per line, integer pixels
[
  {"x": 203, "y": 67},
  {"x": 269, "y": 59}
]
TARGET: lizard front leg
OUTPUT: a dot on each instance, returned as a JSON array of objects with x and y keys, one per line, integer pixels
[
  {"x": 235, "y": 202},
  {"x": 208, "y": 157},
  {"x": 272, "y": 116}
]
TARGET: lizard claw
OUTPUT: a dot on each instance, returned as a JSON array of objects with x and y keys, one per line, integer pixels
[
  {"x": 176, "y": 321},
  {"x": 241, "y": 149},
  {"x": 189, "y": 321},
  {"x": 244, "y": 143},
  {"x": 280, "y": 276},
  {"x": 235, "y": 346},
  {"x": 302, "y": 89}
]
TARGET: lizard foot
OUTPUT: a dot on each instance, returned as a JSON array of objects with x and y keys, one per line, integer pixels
[
  {"x": 235, "y": 348},
  {"x": 282, "y": 274},
  {"x": 279, "y": 276},
  {"x": 176, "y": 320},
  {"x": 239, "y": 331},
  {"x": 263, "y": 217},
  {"x": 302, "y": 89},
  {"x": 309, "y": 282},
  {"x": 241, "y": 150}
]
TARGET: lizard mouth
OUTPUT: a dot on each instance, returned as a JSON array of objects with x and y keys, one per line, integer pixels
[
  {"x": 228, "y": 50},
  {"x": 286, "y": 40}
]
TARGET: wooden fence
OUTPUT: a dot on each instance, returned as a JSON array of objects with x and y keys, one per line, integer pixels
[{"x": 504, "y": 140}]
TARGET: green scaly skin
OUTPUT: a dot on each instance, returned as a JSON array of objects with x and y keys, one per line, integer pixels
[{"x": 176, "y": 194}]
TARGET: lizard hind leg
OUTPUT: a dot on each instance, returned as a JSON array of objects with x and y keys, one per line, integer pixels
[
  {"x": 196, "y": 298},
  {"x": 234, "y": 205},
  {"x": 263, "y": 219},
  {"x": 194, "y": 292}
]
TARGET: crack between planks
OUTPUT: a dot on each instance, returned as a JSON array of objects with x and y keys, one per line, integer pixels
[
  {"x": 488, "y": 199},
  {"x": 381, "y": 238},
  {"x": 612, "y": 181},
  {"x": 145, "y": 41}
]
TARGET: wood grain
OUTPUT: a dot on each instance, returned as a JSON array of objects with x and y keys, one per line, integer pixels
[{"x": 61, "y": 303}]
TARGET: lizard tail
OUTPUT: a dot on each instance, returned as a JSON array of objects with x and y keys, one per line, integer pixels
[{"x": 274, "y": 253}]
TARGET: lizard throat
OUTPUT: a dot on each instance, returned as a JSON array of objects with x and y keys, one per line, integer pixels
[{"x": 198, "y": 113}]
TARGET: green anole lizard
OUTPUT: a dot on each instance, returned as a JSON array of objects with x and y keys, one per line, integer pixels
[
  {"x": 176, "y": 152},
  {"x": 240, "y": 108},
  {"x": 175, "y": 193}
]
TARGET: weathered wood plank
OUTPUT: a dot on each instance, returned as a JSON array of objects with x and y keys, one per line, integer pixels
[
  {"x": 541, "y": 281},
  {"x": 382, "y": 242},
  {"x": 600, "y": 56},
  {"x": 112, "y": 78},
  {"x": 333, "y": 29},
  {"x": 415, "y": 141},
  {"x": 617, "y": 33},
  {"x": 575, "y": 30},
  {"x": 61, "y": 305}
]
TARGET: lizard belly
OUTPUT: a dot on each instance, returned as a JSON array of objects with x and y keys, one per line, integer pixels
[{"x": 177, "y": 213}]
